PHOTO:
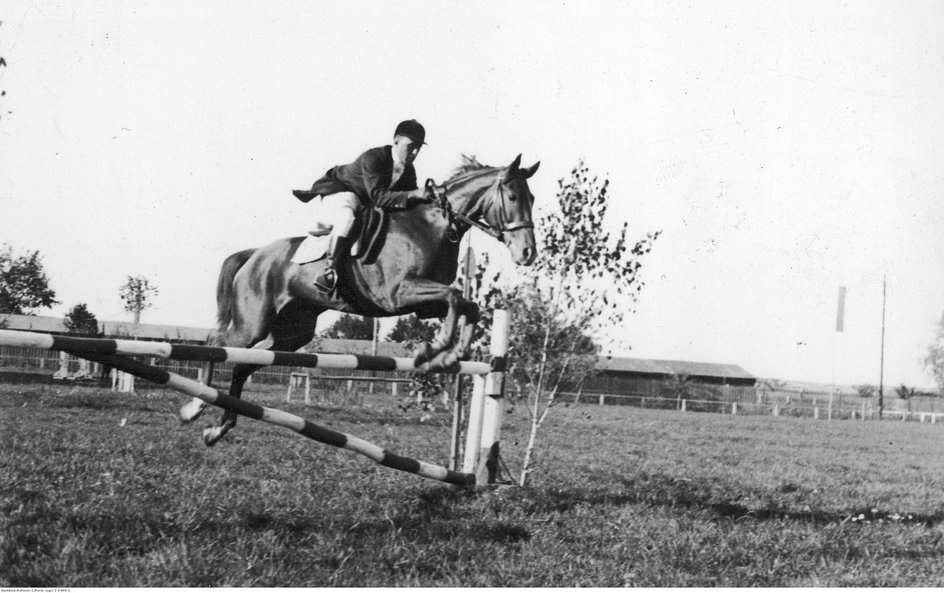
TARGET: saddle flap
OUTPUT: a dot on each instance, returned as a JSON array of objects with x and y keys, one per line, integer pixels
[
  {"x": 311, "y": 249},
  {"x": 371, "y": 234}
]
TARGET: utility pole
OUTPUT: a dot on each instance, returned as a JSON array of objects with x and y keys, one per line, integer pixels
[{"x": 881, "y": 367}]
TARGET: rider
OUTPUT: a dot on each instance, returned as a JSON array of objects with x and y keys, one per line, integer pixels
[{"x": 381, "y": 177}]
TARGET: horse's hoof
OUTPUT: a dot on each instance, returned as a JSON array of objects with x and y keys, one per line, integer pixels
[
  {"x": 212, "y": 435},
  {"x": 191, "y": 411},
  {"x": 424, "y": 354},
  {"x": 444, "y": 362},
  {"x": 451, "y": 364}
]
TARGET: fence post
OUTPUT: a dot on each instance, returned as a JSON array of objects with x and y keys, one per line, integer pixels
[
  {"x": 815, "y": 413},
  {"x": 683, "y": 405},
  {"x": 829, "y": 413},
  {"x": 776, "y": 411},
  {"x": 473, "y": 431},
  {"x": 602, "y": 397},
  {"x": 734, "y": 408},
  {"x": 494, "y": 404}
]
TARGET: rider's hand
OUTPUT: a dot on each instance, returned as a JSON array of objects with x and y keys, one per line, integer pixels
[
  {"x": 420, "y": 196},
  {"x": 438, "y": 192},
  {"x": 435, "y": 192}
]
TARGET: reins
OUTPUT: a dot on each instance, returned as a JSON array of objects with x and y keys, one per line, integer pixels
[{"x": 482, "y": 226}]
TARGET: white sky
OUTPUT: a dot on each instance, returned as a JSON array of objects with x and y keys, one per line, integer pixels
[{"x": 784, "y": 148}]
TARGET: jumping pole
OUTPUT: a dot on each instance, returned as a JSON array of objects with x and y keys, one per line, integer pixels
[{"x": 485, "y": 415}]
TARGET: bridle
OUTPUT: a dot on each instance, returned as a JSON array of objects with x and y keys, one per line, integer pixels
[{"x": 452, "y": 215}]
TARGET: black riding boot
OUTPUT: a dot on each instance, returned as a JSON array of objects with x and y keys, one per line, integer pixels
[{"x": 328, "y": 279}]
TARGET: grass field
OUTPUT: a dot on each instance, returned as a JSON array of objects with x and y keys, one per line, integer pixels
[{"x": 99, "y": 489}]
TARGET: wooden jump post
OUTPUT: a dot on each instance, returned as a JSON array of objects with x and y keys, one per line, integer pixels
[
  {"x": 488, "y": 405},
  {"x": 481, "y": 459}
]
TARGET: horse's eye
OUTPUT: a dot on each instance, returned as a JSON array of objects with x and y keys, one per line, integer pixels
[{"x": 512, "y": 197}]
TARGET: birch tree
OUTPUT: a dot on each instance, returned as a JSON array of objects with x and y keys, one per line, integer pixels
[{"x": 580, "y": 288}]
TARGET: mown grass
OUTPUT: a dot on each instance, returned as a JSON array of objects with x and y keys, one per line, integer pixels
[{"x": 99, "y": 489}]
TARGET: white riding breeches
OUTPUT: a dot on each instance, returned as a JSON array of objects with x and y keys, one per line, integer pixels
[{"x": 338, "y": 210}]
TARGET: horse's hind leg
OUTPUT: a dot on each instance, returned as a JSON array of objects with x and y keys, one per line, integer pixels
[
  {"x": 241, "y": 372},
  {"x": 195, "y": 407},
  {"x": 292, "y": 328}
]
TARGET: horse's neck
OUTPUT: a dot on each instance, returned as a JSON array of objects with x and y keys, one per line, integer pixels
[{"x": 467, "y": 196}]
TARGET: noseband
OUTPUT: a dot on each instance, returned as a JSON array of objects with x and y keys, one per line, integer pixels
[{"x": 482, "y": 226}]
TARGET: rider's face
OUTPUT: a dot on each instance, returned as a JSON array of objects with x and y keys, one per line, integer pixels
[{"x": 405, "y": 149}]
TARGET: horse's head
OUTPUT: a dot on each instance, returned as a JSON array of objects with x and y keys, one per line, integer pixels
[{"x": 508, "y": 211}]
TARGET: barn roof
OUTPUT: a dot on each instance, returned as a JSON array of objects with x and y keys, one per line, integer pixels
[{"x": 647, "y": 366}]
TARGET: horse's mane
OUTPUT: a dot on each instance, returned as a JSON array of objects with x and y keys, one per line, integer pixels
[{"x": 469, "y": 165}]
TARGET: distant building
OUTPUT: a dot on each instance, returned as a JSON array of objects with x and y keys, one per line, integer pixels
[
  {"x": 627, "y": 375},
  {"x": 110, "y": 329}
]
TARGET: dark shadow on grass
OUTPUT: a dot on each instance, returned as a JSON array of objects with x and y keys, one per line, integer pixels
[
  {"x": 104, "y": 401},
  {"x": 661, "y": 490},
  {"x": 440, "y": 514}
]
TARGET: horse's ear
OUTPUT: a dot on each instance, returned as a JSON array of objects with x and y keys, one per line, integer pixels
[
  {"x": 513, "y": 167},
  {"x": 527, "y": 173}
]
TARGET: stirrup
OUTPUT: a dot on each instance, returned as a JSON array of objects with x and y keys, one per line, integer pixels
[{"x": 327, "y": 280}]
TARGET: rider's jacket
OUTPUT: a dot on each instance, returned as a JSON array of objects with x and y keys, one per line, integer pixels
[{"x": 368, "y": 177}]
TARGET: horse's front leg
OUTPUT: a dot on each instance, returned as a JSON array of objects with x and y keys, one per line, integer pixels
[{"x": 418, "y": 294}]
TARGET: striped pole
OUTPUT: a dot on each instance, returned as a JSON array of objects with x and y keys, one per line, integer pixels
[
  {"x": 281, "y": 418},
  {"x": 214, "y": 354},
  {"x": 486, "y": 410}
]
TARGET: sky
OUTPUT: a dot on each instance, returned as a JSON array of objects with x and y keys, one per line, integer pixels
[{"x": 784, "y": 149}]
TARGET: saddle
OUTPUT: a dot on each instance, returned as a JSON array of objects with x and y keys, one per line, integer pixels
[{"x": 370, "y": 229}]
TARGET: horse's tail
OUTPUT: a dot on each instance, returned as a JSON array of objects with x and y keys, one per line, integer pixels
[{"x": 225, "y": 301}]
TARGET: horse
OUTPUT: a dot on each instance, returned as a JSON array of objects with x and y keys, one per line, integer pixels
[{"x": 266, "y": 301}]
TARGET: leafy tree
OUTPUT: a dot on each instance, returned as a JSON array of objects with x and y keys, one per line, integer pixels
[
  {"x": 412, "y": 330},
  {"x": 137, "y": 294},
  {"x": 351, "y": 327},
  {"x": 866, "y": 391},
  {"x": 579, "y": 289},
  {"x": 680, "y": 387},
  {"x": 24, "y": 285},
  {"x": 906, "y": 393},
  {"x": 79, "y": 320},
  {"x": 935, "y": 358}
]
